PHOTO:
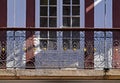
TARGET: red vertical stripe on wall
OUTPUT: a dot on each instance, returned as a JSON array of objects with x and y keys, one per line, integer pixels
[
  {"x": 3, "y": 24},
  {"x": 30, "y": 22},
  {"x": 116, "y": 34},
  {"x": 89, "y": 36}
]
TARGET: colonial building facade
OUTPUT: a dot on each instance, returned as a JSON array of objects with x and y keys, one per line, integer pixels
[{"x": 60, "y": 49}]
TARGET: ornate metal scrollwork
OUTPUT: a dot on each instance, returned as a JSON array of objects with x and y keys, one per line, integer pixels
[
  {"x": 116, "y": 43},
  {"x": 93, "y": 52},
  {"x": 65, "y": 46},
  {"x": 43, "y": 44},
  {"x": 3, "y": 50},
  {"x": 75, "y": 45},
  {"x": 116, "y": 54}
]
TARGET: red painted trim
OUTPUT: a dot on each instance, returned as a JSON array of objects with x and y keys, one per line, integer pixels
[
  {"x": 116, "y": 13},
  {"x": 3, "y": 24},
  {"x": 30, "y": 22},
  {"x": 116, "y": 34},
  {"x": 57, "y": 29},
  {"x": 89, "y": 13},
  {"x": 89, "y": 35}
]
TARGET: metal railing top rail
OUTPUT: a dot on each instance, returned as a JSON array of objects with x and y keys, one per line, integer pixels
[{"x": 57, "y": 29}]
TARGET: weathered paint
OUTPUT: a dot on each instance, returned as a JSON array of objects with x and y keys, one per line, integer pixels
[{"x": 89, "y": 36}]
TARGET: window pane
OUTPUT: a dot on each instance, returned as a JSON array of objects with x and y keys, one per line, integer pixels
[
  {"x": 76, "y": 10},
  {"x": 53, "y": 2},
  {"x": 52, "y": 22},
  {"x": 43, "y": 11},
  {"x": 66, "y": 1},
  {"x": 53, "y": 11},
  {"x": 52, "y": 34},
  {"x": 66, "y": 10},
  {"x": 66, "y": 21},
  {"x": 52, "y": 40},
  {"x": 75, "y": 1},
  {"x": 43, "y": 2},
  {"x": 43, "y": 34},
  {"x": 75, "y": 21},
  {"x": 43, "y": 22}
]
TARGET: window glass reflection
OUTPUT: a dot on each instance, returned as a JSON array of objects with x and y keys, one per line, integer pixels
[
  {"x": 75, "y": 1},
  {"x": 43, "y": 11},
  {"x": 66, "y": 1},
  {"x": 52, "y": 22},
  {"x": 43, "y": 2},
  {"x": 53, "y": 2},
  {"x": 75, "y": 10},
  {"x": 66, "y": 21},
  {"x": 53, "y": 11},
  {"x": 43, "y": 22},
  {"x": 75, "y": 21},
  {"x": 66, "y": 10}
]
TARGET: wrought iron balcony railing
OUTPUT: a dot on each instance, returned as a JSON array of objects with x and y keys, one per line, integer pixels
[{"x": 57, "y": 48}]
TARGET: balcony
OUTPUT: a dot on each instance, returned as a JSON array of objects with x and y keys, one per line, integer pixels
[{"x": 69, "y": 52}]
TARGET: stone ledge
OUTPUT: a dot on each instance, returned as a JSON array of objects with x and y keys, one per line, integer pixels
[
  {"x": 54, "y": 72},
  {"x": 58, "y": 74},
  {"x": 6, "y": 72}
]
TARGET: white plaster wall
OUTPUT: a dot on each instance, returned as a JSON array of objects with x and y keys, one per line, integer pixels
[
  {"x": 103, "y": 19},
  {"x": 16, "y": 40}
]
